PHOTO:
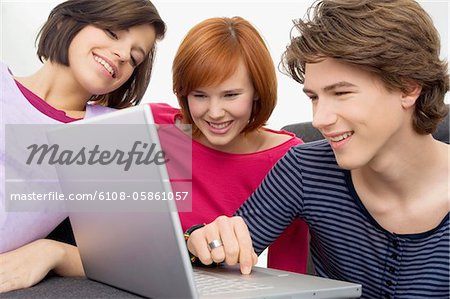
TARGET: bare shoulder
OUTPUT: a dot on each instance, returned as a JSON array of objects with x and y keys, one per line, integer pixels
[{"x": 272, "y": 139}]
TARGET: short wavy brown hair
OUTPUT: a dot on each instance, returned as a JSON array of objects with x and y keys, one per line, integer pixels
[
  {"x": 394, "y": 39},
  {"x": 210, "y": 53},
  {"x": 69, "y": 17}
]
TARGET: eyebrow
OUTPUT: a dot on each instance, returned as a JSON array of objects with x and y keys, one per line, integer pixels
[
  {"x": 140, "y": 49},
  {"x": 332, "y": 86},
  {"x": 233, "y": 90},
  {"x": 224, "y": 91}
]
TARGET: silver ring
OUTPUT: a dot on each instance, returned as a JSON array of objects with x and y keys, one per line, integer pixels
[{"x": 214, "y": 244}]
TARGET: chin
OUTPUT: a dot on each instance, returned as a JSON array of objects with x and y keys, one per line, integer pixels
[
  {"x": 97, "y": 87},
  {"x": 348, "y": 163},
  {"x": 218, "y": 143},
  {"x": 100, "y": 91}
]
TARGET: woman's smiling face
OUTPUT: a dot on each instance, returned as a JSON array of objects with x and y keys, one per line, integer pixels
[
  {"x": 222, "y": 111},
  {"x": 103, "y": 60}
]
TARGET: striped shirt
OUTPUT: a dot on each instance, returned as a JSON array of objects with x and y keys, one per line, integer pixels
[{"x": 346, "y": 241}]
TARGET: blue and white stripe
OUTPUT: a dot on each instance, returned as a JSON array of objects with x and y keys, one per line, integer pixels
[{"x": 346, "y": 242}]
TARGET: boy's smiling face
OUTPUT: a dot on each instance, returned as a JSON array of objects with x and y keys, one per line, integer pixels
[{"x": 358, "y": 116}]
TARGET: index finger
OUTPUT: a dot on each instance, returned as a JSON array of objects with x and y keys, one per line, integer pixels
[{"x": 246, "y": 252}]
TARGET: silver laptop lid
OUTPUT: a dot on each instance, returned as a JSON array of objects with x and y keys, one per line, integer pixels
[
  {"x": 145, "y": 253},
  {"x": 135, "y": 251}
]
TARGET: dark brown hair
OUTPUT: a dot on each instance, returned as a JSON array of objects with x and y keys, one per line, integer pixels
[
  {"x": 69, "y": 17},
  {"x": 211, "y": 52},
  {"x": 396, "y": 40}
]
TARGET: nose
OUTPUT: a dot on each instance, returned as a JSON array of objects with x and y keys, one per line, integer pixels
[
  {"x": 122, "y": 51},
  {"x": 324, "y": 114},
  {"x": 216, "y": 109}
]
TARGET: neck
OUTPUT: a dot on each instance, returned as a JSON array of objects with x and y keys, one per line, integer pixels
[
  {"x": 248, "y": 143},
  {"x": 55, "y": 84},
  {"x": 403, "y": 170}
]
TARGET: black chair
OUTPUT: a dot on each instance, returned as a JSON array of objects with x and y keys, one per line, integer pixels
[{"x": 443, "y": 129}]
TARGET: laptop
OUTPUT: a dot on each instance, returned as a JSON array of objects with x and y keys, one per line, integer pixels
[{"x": 145, "y": 252}]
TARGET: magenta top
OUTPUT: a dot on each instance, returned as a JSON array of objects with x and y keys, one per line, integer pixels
[
  {"x": 42, "y": 106},
  {"x": 222, "y": 181}
]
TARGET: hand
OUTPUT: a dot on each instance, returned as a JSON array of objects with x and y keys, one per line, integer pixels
[
  {"x": 237, "y": 244},
  {"x": 28, "y": 265}
]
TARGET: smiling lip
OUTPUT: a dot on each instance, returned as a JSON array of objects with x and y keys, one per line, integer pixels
[
  {"x": 110, "y": 67},
  {"x": 219, "y": 128},
  {"x": 338, "y": 140}
]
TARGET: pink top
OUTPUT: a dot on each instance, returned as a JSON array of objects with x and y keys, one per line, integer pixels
[
  {"x": 55, "y": 114},
  {"x": 43, "y": 106},
  {"x": 221, "y": 182},
  {"x": 18, "y": 105}
]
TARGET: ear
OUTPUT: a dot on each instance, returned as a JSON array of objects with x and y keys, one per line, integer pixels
[
  {"x": 411, "y": 95},
  {"x": 255, "y": 97}
]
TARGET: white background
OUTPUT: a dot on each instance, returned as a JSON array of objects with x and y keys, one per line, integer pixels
[{"x": 21, "y": 20}]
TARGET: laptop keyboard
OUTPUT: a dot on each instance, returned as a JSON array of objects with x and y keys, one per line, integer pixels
[{"x": 208, "y": 284}]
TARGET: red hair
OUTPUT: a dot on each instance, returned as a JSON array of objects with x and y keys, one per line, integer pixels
[{"x": 211, "y": 52}]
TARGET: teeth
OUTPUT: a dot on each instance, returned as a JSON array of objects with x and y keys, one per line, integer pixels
[
  {"x": 105, "y": 65},
  {"x": 341, "y": 137},
  {"x": 220, "y": 126}
]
